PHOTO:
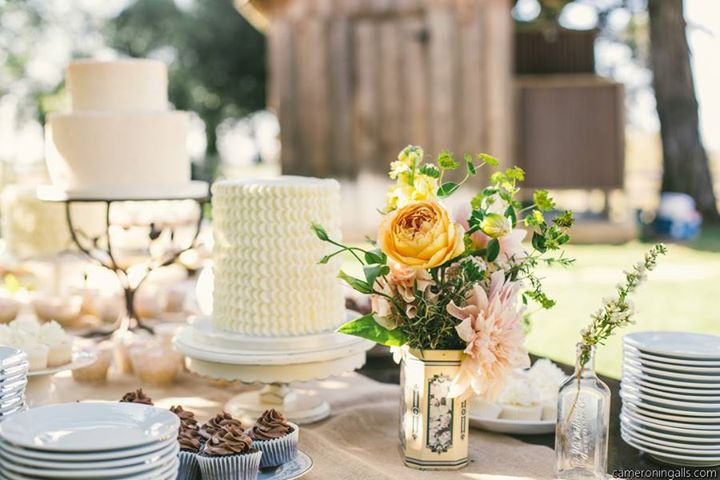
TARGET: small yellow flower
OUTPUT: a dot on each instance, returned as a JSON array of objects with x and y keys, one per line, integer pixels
[{"x": 411, "y": 156}]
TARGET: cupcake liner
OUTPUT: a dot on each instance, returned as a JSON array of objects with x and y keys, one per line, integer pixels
[
  {"x": 189, "y": 466},
  {"x": 278, "y": 450},
  {"x": 244, "y": 466}
]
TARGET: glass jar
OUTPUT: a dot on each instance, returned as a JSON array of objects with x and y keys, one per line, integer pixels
[{"x": 583, "y": 422}]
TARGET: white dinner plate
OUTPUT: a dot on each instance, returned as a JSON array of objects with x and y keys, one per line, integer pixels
[
  {"x": 671, "y": 360},
  {"x": 102, "y": 456},
  {"x": 676, "y": 344},
  {"x": 673, "y": 367},
  {"x": 672, "y": 458},
  {"x": 13, "y": 373},
  {"x": 18, "y": 455},
  {"x": 665, "y": 402},
  {"x": 80, "y": 359},
  {"x": 675, "y": 426},
  {"x": 646, "y": 381},
  {"x": 664, "y": 380},
  {"x": 168, "y": 472},
  {"x": 13, "y": 386},
  {"x": 518, "y": 427},
  {"x": 83, "y": 427},
  {"x": 671, "y": 395},
  {"x": 156, "y": 466},
  {"x": 708, "y": 416},
  {"x": 656, "y": 413},
  {"x": 714, "y": 441},
  {"x": 686, "y": 376},
  {"x": 670, "y": 447},
  {"x": 11, "y": 356}
]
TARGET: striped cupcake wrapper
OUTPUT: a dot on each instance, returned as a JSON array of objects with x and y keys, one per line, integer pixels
[
  {"x": 278, "y": 450},
  {"x": 189, "y": 466},
  {"x": 244, "y": 466}
]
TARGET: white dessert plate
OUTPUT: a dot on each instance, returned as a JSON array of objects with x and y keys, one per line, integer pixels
[
  {"x": 298, "y": 467},
  {"x": 517, "y": 427},
  {"x": 691, "y": 377},
  {"x": 671, "y": 360},
  {"x": 662, "y": 401},
  {"x": 671, "y": 447},
  {"x": 123, "y": 455},
  {"x": 709, "y": 415},
  {"x": 81, "y": 358},
  {"x": 14, "y": 372},
  {"x": 680, "y": 427},
  {"x": 674, "y": 382},
  {"x": 672, "y": 367},
  {"x": 83, "y": 427},
  {"x": 14, "y": 386},
  {"x": 656, "y": 413},
  {"x": 671, "y": 395},
  {"x": 676, "y": 344},
  {"x": 11, "y": 356},
  {"x": 65, "y": 472},
  {"x": 641, "y": 429},
  {"x": 647, "y": 382},
  {"x": 671, "y": 458},
  {"x": 167, "y": 472},
  {"x": 17, "y": 455}
]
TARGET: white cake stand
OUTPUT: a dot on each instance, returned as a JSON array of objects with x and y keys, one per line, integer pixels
[{"x": 275, "y": 362}]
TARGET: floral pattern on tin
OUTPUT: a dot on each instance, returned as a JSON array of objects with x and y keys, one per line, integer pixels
[{"x": 440, "y": 414}]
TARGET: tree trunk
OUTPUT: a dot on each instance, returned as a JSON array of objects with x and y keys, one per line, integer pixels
[{"x": 685, "y": 162}]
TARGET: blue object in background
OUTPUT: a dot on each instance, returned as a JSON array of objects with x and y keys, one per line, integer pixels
[{"x": 677, "y": 218}]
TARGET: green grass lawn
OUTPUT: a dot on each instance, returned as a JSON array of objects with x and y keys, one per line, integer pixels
[{"x": 683, "y": 293}]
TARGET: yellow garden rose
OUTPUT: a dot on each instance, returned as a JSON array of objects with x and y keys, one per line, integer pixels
[{"x": 421, "y": 235}]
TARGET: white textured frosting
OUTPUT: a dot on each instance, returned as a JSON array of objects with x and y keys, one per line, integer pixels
[
  {"x": 51, "y": 334},
  {"x": 267, "y": 278},
  {"x": 545, "y": 377},
  {"x": 518, "y": 392}
]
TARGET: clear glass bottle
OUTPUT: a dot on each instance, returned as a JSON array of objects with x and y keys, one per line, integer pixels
[{"x": 583, "y": 422}]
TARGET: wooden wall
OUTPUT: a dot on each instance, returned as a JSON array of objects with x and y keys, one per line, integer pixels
[{"x": 354, "y": 81}]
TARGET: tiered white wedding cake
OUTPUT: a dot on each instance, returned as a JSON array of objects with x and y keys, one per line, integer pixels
[
  {"x": 267, "y": 278},
  {"x": 120, "y": 135}
]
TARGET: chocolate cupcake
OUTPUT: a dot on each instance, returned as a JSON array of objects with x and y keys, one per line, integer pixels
[
  {"x": 190, "y": 444},
  {"x": 229, "y": 455},
  {"x": 221, "y": 421},
  {"x": 277, "y": 438},
  {"x": 138, "y": 396},
  {"x": 187, "y": 418}
]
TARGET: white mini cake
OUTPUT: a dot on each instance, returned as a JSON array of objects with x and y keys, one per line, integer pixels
[
  {"x": 267, "y": 278},
  {"x": 119, "y": 135},
  {"x": 519, "y": 401}
]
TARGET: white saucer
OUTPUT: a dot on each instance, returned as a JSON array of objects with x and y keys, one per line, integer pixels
[
  {"x": 673, "y": 367},
  {"x": 662, "y": 401},
  {"x": 642, "y": 429},
  {"x": 655, "y": 392},
  {"x": 82, "y": 427},
  {"x": 663, "y": 414},
  {"x": 671, "y": 360},
  {"x": 298, "y": 467},
  {"x": 668, "y": 374},
  {"x": 517, "y": 427},
  {"x": 120, "y": 455},
  {"x": 81, "y": 358},
  {"x": 191, "y": 190},
  {"x": 19, "y": 456},
  {"x": 647, "y": 382},
  {"x": 630, "y": 397},
  {"x": 667, "y": 380},
  {"x": 674, "y": 426},
  {"x": 676, "y": 344}
]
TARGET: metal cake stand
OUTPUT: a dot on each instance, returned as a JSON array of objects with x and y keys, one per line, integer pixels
[
  {"x": 274, "y": 361},
  {"x": 100, "y": 250}
]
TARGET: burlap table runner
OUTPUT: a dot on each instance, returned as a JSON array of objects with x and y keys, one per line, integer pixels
[{"x": 359, "y": 441}]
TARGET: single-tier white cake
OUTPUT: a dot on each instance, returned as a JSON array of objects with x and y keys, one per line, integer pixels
[
  {"x": 119, "y": 135},
  {"x": 267, "y": 278}
]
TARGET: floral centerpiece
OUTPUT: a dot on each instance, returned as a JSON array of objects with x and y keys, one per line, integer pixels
[{"x": 450, "y": 291}]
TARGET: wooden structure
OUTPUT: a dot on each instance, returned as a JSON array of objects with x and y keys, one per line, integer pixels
[{"x": 354, "y": 81}]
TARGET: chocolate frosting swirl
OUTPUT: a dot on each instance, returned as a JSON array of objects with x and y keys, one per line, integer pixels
[
  {"x": 138, "y": 396},
  {"x": 229, "y": 441},
  {"x": 187, "y": 418},
  {"x": 271, "y": 424},
  {"x": 219, "y": 422},
  {"x": 189, "y": 440}
]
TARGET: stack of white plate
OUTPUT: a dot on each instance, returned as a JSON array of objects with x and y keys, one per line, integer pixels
[
  {"x": 90, "y": 440},
  {"x": 13, "y": 379},
  {"x": 671, "y": 396}
]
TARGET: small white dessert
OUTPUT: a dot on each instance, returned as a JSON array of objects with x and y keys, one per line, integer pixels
[
  {"x": 59, "y": 343},
  {"x": 545, "y": 377},
  {"x": 484, "y": 409},
  {"x": 37, "y": 353},
  {"x": 9, "y": 308},
  {"x": 519, "y": 401}
]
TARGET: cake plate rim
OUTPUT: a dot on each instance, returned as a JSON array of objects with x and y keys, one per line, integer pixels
[{"x": 192, "y": 190}]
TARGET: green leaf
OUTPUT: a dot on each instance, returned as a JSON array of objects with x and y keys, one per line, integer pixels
[
  {"x": 324, "y": 260},
  {"x": 372, "y": 272},
  {"x": 357, "y": 284},
  {"x": 430, "y": 171},
  {"x": 446, "y": 161},
  {"x": 512, "y": 215},
  {"x": 375, "y": 256},
  {"x": 447, "y": 189},
  {"x": 538, "y": 242},
  {"x": 470, "y": 165},
  {"x": 489, "y": 159},
  {"x": 367, "y": 327},
  {"x": 493, "y": 250},
  {"x": 319, "y": 231}
]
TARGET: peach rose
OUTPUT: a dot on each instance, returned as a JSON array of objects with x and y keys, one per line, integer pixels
[{"x": 421, "y": 235}]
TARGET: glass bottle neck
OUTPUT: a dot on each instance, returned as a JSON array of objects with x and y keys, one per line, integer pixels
[{"x": 585, "y": 361}]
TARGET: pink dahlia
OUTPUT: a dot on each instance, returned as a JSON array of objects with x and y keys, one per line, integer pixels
[{"x": 492, "y": 328}]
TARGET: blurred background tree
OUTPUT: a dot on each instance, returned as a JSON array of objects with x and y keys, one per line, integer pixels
[{"x": 216, "y": 59}]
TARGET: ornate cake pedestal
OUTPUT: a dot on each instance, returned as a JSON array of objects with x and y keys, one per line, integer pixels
[{"x": 275, "y": 362}]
